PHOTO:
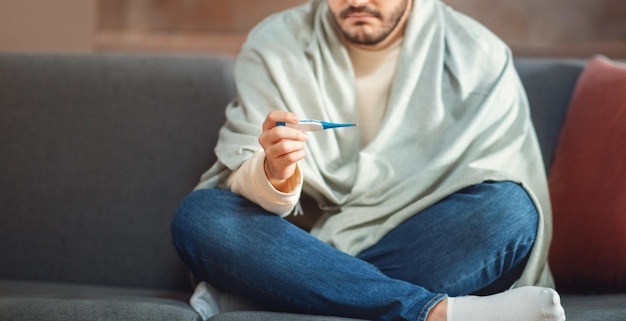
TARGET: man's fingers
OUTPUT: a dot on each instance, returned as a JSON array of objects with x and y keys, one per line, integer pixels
[
  {"x": 283, "y": 146},
  {"x": 280, "y": 134},
  {"x": 283, "y": 149},
  {"x": 275, "y": 116}
]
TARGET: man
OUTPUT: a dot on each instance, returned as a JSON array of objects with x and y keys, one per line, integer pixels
[{"x": 439, "y": 193}]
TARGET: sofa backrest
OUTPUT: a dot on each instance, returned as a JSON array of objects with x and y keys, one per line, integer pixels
[
  {"x": 549, "y": 84},
  {"x": 96, "y": 152}
]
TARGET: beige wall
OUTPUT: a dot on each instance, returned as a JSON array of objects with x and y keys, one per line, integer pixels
[
  {"x": 556, "y": 27},
  {"x": 577, "y": 28},
  {"x": 47, "y": 25},
  {"x": 531, "y": 27}
]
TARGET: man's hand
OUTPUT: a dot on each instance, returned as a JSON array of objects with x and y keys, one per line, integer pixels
[{"x": 283, "y": 146}]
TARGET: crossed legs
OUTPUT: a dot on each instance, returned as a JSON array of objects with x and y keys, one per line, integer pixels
[{"x": 474, "y": 239}]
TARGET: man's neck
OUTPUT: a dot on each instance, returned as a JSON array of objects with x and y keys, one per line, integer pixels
[{"x": 373, "y": 72}]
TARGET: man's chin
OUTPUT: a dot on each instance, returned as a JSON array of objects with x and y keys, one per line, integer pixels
[
  {"x": 360, "y": 34},
  {"x": 363, "y": 39}
]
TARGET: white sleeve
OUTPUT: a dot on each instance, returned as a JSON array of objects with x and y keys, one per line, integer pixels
[{"x": 249, "y": 181}]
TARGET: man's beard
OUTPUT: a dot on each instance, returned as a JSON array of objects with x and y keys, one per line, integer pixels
[{"x": 360, "y": 37}]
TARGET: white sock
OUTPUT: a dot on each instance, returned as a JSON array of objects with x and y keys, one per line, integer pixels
[
  {"x": 528, "y": 303},
  {"x": 209, "y": 301}
]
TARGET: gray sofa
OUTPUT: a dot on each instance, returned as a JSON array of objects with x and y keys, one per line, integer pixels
[{"x": 97, "y": 150}]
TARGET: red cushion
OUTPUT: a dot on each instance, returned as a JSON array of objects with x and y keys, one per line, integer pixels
[{"x": 588, "y": 184}]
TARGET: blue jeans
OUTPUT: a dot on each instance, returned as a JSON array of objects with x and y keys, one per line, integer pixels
[{"x": 475, "y": 239}]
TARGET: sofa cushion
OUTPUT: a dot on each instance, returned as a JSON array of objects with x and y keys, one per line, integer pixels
[
  {"x": 588, "y": 184},
  {"x": 96, "y": 152},
  {"x": 105, "y": 309},
  {"x": 57, "y": 301},
  {"x": 273, "y": 316},
  {"x": 577, "y": 308},
  {"x": 594, "y": 307}
]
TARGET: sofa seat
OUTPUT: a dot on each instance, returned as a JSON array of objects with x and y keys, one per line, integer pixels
[
  {"x": 21, "y": 300},
  {"x": 273, "y": 316},
  {"x": 606, "y": 307},
  {"x": 60, "y": 301}
]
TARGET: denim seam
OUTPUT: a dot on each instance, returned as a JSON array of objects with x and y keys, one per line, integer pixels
[{"x": 429, "y": 305}]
